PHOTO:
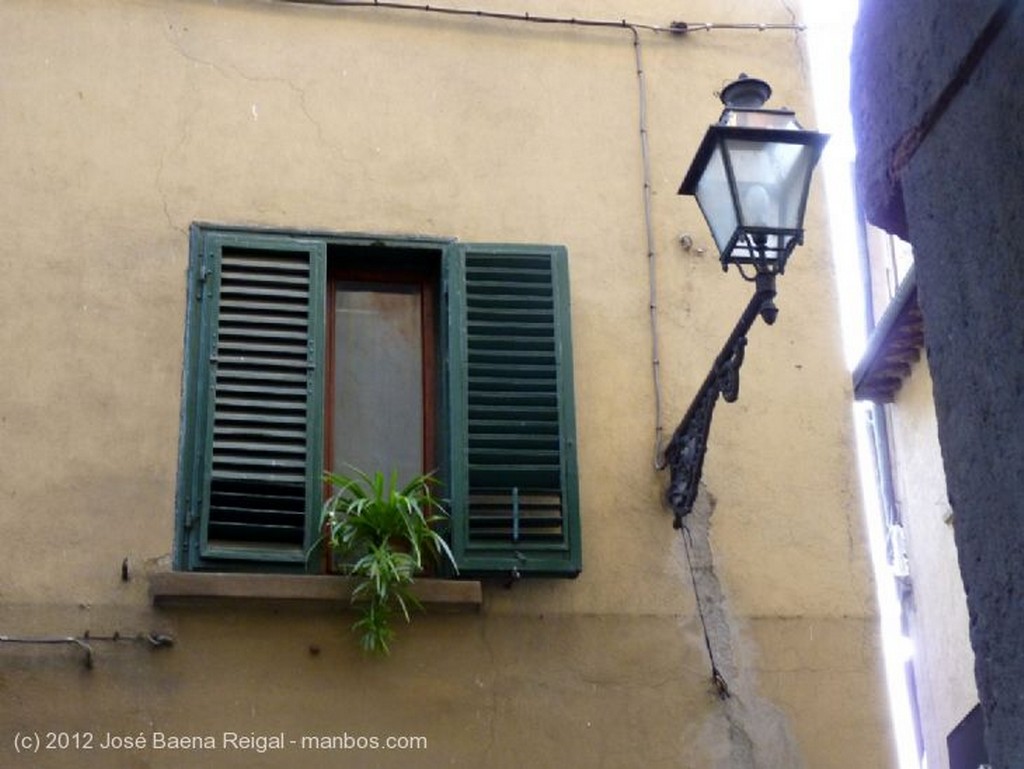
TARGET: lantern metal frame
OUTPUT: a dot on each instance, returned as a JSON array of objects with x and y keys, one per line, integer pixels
[
  {"x": 765, "y": 248},
  {"x": 747, "y": 246}
]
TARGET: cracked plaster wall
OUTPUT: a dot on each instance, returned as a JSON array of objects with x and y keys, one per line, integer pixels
[{"x": 123, "y": 122}]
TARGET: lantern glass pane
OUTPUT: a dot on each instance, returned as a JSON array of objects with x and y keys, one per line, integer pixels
[
  {"x": 715, "y": 198},
  {"x": 771, "y": 181},
  {"x": 761, "y": 118}
]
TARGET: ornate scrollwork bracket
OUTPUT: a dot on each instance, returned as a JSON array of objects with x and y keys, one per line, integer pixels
[{"x": 684, "y": 454}]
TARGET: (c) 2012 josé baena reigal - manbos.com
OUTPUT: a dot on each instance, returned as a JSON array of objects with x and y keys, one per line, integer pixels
[{"x": 227, "y": 740}]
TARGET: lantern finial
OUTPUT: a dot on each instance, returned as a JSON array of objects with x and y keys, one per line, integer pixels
[{"x": 746, "y": 93}]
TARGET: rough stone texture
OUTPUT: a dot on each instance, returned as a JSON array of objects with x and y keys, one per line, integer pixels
[
  {"x": 904, "y": 53},
  {"x": 962, "y": 193}
]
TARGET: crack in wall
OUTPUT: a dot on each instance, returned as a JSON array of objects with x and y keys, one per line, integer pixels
[
  {"x": 186, "y": 135},
  {"x": 800, "y": 44},
  {"x": 229, "y": 70},
  {"x": 173, "y": 32},
  {"x": 790, "y": 11},
  {"x": 755, "y": 732}
]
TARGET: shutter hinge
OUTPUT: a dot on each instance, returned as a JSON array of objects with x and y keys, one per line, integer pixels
[
  {"x": 200, "y": 291},
  {"x": 204, "y": 270},
  {"x": 190, "y": 512},
  {"x": 310, "y": 367}
]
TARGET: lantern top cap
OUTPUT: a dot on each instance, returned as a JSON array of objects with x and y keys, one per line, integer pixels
[{"x": 746, "y": 93}]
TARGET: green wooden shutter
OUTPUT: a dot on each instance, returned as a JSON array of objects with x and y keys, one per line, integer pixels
[
  {"x": 255, "y": 406},
  {"x": 512, "y": 469}
]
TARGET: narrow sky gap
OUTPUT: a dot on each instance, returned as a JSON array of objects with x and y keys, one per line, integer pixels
[{"x": 829, "y": 34}]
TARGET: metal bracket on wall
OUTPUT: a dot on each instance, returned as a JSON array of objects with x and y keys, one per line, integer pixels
[
  {"x": 85, "y": 641},
  {"x": 685, "y": 452}
]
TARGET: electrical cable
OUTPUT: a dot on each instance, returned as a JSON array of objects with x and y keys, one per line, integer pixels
[
  {"x": 675, "y": 27},
  {"x": 717, "y": 679},
  {"x": 652, "y": 262}
]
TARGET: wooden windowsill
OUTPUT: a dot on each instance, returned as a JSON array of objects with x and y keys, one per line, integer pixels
[{"x": 181, "y": 588}]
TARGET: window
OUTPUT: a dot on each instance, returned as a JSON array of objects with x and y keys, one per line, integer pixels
[
  {"x": 382, "y": 359},
  {"x": 307, "y": 351}
]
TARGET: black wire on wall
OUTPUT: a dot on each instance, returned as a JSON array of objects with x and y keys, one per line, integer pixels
[{"x": 675, "y": 27}]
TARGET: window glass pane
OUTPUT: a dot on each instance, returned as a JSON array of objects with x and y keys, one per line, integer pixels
[{"x": 378, "y": 378}]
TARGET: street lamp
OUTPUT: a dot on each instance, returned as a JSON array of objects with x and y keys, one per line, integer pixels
[{"x": 750, "y": 176}]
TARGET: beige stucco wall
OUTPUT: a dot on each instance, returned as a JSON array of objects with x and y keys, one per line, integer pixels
[
  {"x": 124, "y": 122},
  {"x": 943, "y": 658}
]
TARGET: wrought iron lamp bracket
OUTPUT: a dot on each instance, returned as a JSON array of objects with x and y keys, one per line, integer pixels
[{"x": 684, "y": 454}]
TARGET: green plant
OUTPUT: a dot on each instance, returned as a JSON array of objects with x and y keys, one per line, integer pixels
[{"x": 385, "y": 535}]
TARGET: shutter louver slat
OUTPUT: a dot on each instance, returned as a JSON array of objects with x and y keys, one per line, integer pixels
[
  {"x": 259, "y": 443},
  {"x": 515, "y": 501}
]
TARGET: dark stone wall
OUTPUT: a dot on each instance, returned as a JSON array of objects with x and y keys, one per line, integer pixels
[
  {"x": 939, "y": 111},
  {"x": 904, "y": 56}
]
